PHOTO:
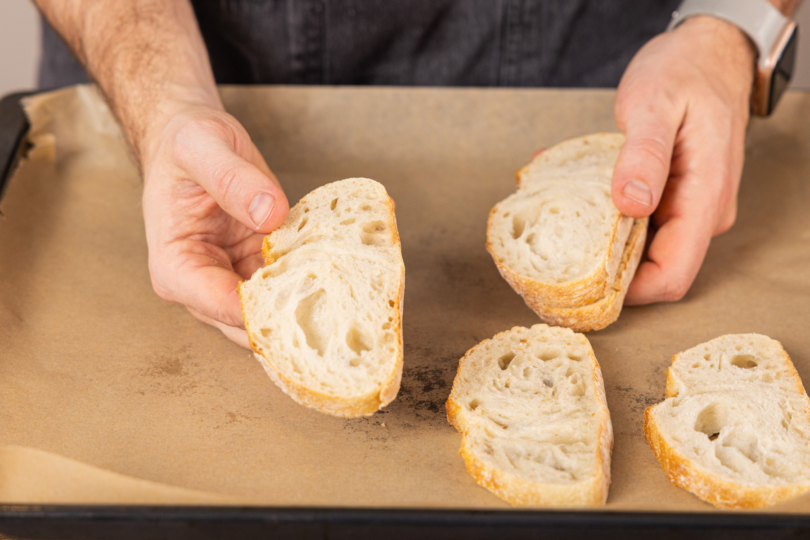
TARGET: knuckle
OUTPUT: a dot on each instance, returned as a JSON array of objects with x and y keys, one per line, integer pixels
[
  {"x": 654, "y": 150},
  {"x": 162, "y": 291},
  {"x": 226, "y": 181},
  {"x": 676, "y": 289},
  {"x": 727, "y": 222}
]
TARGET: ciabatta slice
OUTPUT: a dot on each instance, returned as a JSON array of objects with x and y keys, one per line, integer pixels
[
  {"x": 530, "y": 405},
  {"x": 324, "y": 317},
  {"x": 735, "y": 427},
  {"x": 559, "y": 240}
]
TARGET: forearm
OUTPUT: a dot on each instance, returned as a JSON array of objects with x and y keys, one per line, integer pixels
[{"x": 147, "y": 56}]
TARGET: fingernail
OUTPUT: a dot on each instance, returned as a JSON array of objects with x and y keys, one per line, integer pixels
[
  {"x": 638, "y": 191},
  {"x": 260, "y": 208}
]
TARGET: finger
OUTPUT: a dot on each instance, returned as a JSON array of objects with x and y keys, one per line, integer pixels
[
  {"x": 650, "y": 124},
  {"x": 200, "y": 276},
  {"x": 675, "y": 256},
  {"x": 241, "y": 184},
  {"x": 689, "y": 212},
  {"x": 248, "y": 266},
  {"x": 237, "y": 335},
  {"x": 246, "y": 255}
]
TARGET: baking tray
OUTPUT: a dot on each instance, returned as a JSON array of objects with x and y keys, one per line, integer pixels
[{"x": 98, "y": 521}]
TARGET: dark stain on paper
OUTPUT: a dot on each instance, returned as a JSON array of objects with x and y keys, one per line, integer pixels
[
  {"x": 427, "y": 379},
  {"x": 170, "y": 372}
]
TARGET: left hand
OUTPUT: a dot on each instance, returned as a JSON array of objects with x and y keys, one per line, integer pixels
[{"x": 683, "y": 104}]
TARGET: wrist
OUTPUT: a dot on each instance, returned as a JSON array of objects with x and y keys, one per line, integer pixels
[{"x": 730, "y": 48}]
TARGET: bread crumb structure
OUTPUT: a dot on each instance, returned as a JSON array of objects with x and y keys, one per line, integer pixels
[
  {"x": 536, "y": 431},
  {"x": 560, "y": 242},
  {"x": 324, "y": 317},
  {"x": 735, "y": 426}
]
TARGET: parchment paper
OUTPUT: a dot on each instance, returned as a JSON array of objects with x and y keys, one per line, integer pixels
[{"x": 95, "y": 368}]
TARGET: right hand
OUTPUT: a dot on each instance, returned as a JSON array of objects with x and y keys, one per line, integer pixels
[{"x": 209, "y": 198}]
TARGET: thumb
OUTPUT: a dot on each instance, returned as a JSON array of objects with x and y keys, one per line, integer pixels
[
  {"x": 642, "y": 167},
  {"x": 246, "y": 190}
]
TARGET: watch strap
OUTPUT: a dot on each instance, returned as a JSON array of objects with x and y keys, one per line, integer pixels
[{"x": 758, "y": 19}]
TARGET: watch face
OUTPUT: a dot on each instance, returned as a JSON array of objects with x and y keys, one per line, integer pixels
[{"x": 783, "y": 71}]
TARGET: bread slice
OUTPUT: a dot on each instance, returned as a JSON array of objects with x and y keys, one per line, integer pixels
[
  {"x": 559, "y": 241},
  {"x": 324, "y": 317},
  {"x": 530, "y": 405},
  {"x": 735, "y": 426}
]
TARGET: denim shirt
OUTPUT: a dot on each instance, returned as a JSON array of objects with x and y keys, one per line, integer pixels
[{"x": 559, "y": 43}]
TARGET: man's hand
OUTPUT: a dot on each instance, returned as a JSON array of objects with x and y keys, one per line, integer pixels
[
  {"x": 209, "y": 199},
  {"x": 683, "y": 104}
]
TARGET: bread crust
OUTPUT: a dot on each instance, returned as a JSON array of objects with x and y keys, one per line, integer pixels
[
  {"x": 347, "y": 407},
  {"x": 520, "y": 492},
  {"x": 606, "y": 310}
]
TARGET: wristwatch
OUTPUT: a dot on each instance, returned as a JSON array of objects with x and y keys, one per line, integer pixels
[{"x": 774, "y": 35}]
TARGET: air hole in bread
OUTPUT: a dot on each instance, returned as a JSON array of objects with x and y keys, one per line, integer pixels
[
  {"x": 333, "y": 205},
  {"x": 505, "y": 360},
  {"x": 474, "y": 404},
  {"x": 554, "y": 210},
  {"x": 374, "y": 234},
  {"x": 711, "y": 420},
  {"x": 549, "y": 354},
  {"x": 303, "y": 223},
  {"x": 354, "y": 362},
  {"x": 507, "y": 214},
  {"x": 265, "y": 332},
  {"x": 548, "y": 382},
  {"x": 365, "y": 207},
  {"x": 306, "y": 210},
  {"x": 310, "y": 315},
  {"x": 391, "y": 303},
  {"x": 575, "y": 357},
  {"x": 518, "y": 224},
  {"x": 386, "y": 326},
  {"x": 577, "y": 386},
  {"x": 570, "y": 371},
  {"x": 744, "y": 361},
  {"x": 347, "y": 221},
  {"x": 358, "y": 341}
]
